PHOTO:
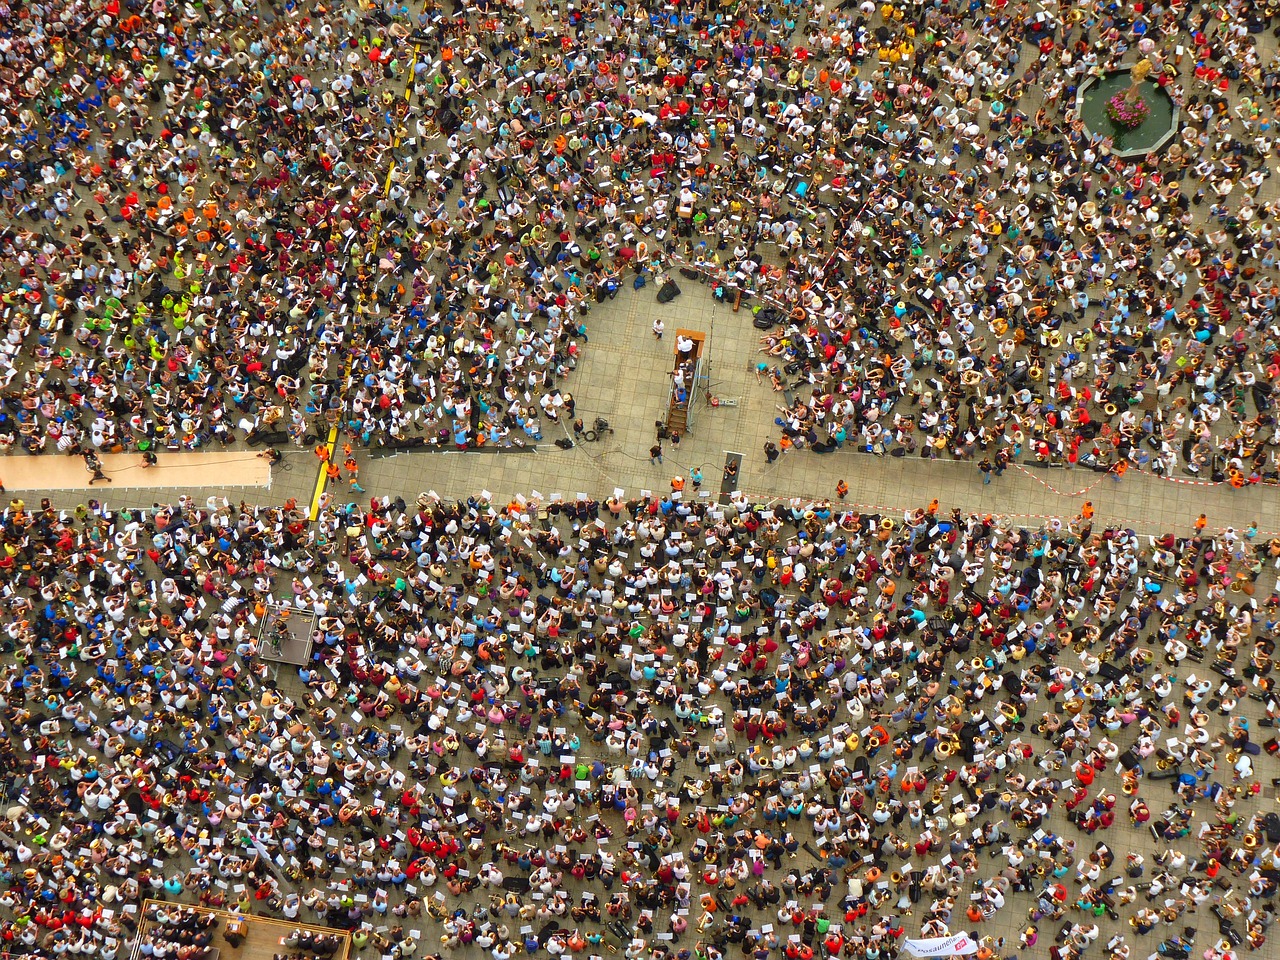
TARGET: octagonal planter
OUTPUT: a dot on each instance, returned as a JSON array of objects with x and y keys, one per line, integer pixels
[{"x": 1151, "y": 136}]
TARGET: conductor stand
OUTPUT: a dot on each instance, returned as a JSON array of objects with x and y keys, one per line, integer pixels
[
  {"x": 685, "y": 375},
  {"x": 285, "y": 635}
]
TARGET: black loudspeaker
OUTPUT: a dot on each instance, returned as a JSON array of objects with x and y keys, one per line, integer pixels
[{"x": 269, "y": 437}]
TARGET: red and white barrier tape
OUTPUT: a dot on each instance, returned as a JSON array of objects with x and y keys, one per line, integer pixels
[{"x": 1051, "y": 488}]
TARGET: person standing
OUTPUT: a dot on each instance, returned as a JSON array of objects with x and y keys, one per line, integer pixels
[
  {"x": 842, "y": 489},
  {"x": 353, "y": 473},
  {"x": 770, "y": 451},
  {"x": 984, "y": 467},
  {"x": 695, "y": 476},
  {"x": 655, "y": 453}
]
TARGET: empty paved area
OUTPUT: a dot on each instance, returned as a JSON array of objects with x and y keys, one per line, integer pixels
[{"x": 226, "y": 470}]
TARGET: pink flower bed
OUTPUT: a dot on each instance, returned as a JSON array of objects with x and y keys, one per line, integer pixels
[{"x": 1127, "y": 113}]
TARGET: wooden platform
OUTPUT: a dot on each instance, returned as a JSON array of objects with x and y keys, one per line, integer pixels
[
  {"x": 262, "y": 935},
  {"x": 221, "y": 468},
  {"x": 677, "y": 418}
]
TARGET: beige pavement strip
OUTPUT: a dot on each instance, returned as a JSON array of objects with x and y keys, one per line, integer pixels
[{"x": 179, "y": 470}]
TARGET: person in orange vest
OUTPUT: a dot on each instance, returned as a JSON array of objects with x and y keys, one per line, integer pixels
[
  {"x": 1119, "y": 470},
  {"x": 353, "y": 473},
  {"x": 842, "y": 489},
  {"x": 1086, "y": 511},
  {"x": 677, "y": 484}
]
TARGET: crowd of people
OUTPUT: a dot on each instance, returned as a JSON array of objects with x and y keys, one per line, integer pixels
[
  {"x": 396, "y": 219},
  {"x": 654, "y": 725},
  {"x": 180, "y": 933}
]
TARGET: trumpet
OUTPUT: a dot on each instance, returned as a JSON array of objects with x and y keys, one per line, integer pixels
[
  {"x": 1251, "y": 841},
  {"x": 1110, "y": 409},
  {"x": 1036, "y": 372},
  {"x": 1056, "y": 339},
  {"x": 1164, "y": 763}
]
